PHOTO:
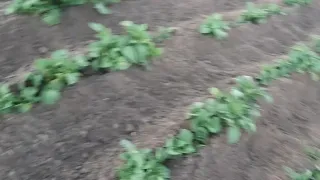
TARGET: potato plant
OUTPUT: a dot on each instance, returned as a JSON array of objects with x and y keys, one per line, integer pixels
[
  {"x": 119, "y": 52},
  {"x": 50, "y": 10},
  {"x": 180, "y": 144},
  {"x": 300, "y": 59},
  {"x": 53, "y": 74},
  {"x": 140, "y": 164},
  {"x": 297, "y": 2},
  {"x": 314, "y": 174},
  {"x": 258, "y": 15},
  {"x": 235, "y": 111},
  {"x": 215, "y": 26},
  {"x": 163, "y": 33}
]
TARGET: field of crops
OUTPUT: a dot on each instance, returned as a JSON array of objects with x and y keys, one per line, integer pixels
[{"x": 159, "y": 89}]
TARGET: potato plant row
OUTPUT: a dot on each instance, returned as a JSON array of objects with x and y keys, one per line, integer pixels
[
  {"x": 50, "y": 10},
  {"x": 109, "y": 52},
  {"x": 215, "y": 26},
  {"x": 232, "y": 112}
]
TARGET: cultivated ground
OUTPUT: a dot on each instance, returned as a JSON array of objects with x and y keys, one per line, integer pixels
[{"x": 77, "y": 138}]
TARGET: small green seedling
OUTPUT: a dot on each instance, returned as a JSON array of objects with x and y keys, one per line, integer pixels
[
  {"x": 303, "y": 59},
  {"x": 180, "y": 144},
  {"x": 140, "y": 164},
  {"x": 163, "y": 34},
  {"x": 254, "y": 14},
  {"x": 273, "y": 9},
  {"x": 215, "y": 26},
  {"x": 258, "y": 15},
  {"x": 297, "y": 2}
]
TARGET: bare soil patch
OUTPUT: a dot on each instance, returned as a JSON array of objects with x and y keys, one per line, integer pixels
[{"x": 78, "y": 137}]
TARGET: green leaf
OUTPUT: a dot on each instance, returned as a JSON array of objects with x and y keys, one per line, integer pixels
[
  {"x": 29, "y": 92},
  {"x": 52, "y": 17},
  {"x": 214, "y": 91},
  {"x": 11, "y": 9},
  {"x": 236, "y": 93},
  {"x": 142, "y": 52},
  {"x": 215, "y": 125},
  {"x": 126, "y": 23},
  {"x": 220, "y": 34},
  {"x": 72, "y": 78},
  {"x": 4, "y": 89},
  {"x": 81, "y": 61},
  {"x": 105, "y": 63},
  {"x": 102, "y": 9},
  {"x": 96, "y": 27},
  {"x": 50, "y": 96},
  {"x": 130, "y": 53},
  {"x": 25, "y": 107},
  {"x": 122, "y": 64},
  {"x": 185, "y": 135},
  {"x": 234, "y": 134},
  {"x": 36, "y": 79},
  {"x": 55, "y": 84},
  {"x": 127, "y": 145},
  {"x": 204, "y": 29},
  {"x": 161, "y": 154},
  {"x": 60, "y": 54},
  {"x": 42, "y": 64}
]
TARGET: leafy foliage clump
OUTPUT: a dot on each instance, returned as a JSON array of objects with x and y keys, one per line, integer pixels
[
  {"x": 44, "y": 84},
  {"x": 215, "y": 26},
  {"x": 234, "y": 110},
  {"x": 297, "y": 2},
  {"x": 258, "y": 15},
  {"x": 163, "y": 33},
  {"x": 51, "y": 75},
  {"x": 50, "y": 10},
  {"x": 141, "y": 164},
  {"x": 314, "y": 174},
  {"x": 119, "y": 52},
  {"x": 180, "y": 144},
  {"x": 300, "y": 59}
]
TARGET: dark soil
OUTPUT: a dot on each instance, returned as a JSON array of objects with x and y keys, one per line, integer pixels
[
  {"x": 284, "y": 130},
  {"x": 78, "y": 137}
]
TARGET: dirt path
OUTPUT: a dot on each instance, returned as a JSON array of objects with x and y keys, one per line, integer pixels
[{"x": 78, "y": 137}]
